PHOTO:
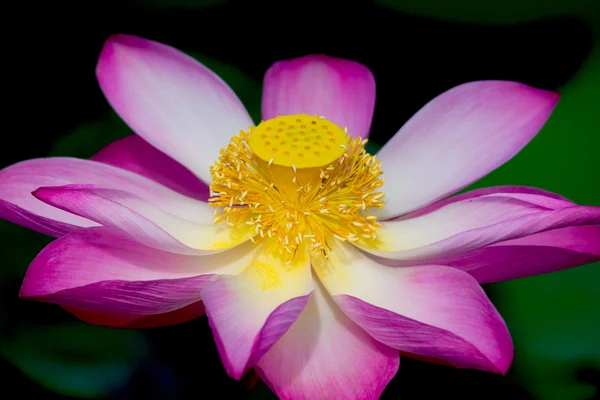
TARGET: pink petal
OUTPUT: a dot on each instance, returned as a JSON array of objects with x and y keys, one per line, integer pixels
[
  {"x": 341, "y": 90},
  {"x": 47, "y": 226},
  {"x": 457, "y": 138},
  {"x": 482, "y": 192},
  {"x": 325, "y": 355},
  {"x": 171, "y": 100},
  {"x": 537, "y": 254},
  {"x": 476, "y": 220},
  {"x": 135, "y": 154},
  {"x": 18, "y": 181},
  {"x": 134, "y": 321},
  {"x": 248, "y": 313},
  {"x": 431, "y": 311},
  {"x": 102, "y": 272},
  {"x": 141, "y": 220}
]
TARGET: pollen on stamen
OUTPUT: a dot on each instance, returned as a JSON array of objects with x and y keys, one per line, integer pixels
[{"x": 319, "y": 197}]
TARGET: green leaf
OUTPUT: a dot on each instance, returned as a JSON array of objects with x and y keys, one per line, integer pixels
[
  {"x": 490, "y": 11},
  {"x": 554, "y": 318},
  {"x": 77, "y": 360},
  {"x": 86, "y": 140}
]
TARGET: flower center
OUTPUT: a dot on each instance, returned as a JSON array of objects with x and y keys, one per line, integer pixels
[
  {"x": 295, "y": 181},
  {"x": 298, "y": 140}
]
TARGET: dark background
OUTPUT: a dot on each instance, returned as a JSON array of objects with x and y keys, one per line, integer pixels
[{"x": 56, "y": 108}]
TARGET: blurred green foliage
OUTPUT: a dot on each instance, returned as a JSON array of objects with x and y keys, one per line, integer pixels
[{"x": 77, "y": 359}]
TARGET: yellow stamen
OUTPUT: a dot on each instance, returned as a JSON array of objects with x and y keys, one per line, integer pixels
[{"x": 290, "y": 200}]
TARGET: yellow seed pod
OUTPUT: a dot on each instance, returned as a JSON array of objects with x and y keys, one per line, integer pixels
[{"x": 300, "y": 140}]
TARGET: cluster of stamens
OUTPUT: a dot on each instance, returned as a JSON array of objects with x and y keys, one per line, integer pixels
[{"x": 295, "y": 200}]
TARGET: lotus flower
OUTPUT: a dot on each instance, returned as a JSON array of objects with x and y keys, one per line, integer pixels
[{"x": 311, "y": 267}]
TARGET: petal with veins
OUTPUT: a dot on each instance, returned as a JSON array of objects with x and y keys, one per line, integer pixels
[
  {"x": 18, "y": 181},
  {"x": 473, "y": 222},
  {"x": 325, "y": 355},
  {"x": 536, "y": 254},
  {"x": 135, "y": 154},
  {"x": 341, "y": 90},
  {"x": 431, "y": 311},
  {"x": 142, "y": 221},
  {"x": 171, "y": 100},
  {"x": 248, "y": 313},
  {"x": 100, "y": 271},
  {"x": 457, "y": 138}
]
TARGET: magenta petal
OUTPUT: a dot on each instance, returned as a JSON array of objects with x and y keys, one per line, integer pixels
[
  {"x": 324, "y": 355},
  {"x": 432, "y": 311},
  {"x": 18, "y": 181},
  {"x": 238, "y": 359},
  {"x": 140, "y": 220},
  {"x": 473, "y": 194},
  {"x": 137, "y": 321},
  {"x": 458, "y": 137},
  {"x": 47, "y": 226},
  {"x": 471, "y": 221},
  {"x": 464, "y": 349},
  {"x": 537, "y": 254},
  {"x": 341, "y": 90},
  {"x": 171, "y": 100},
  {"x": 135, "y": 154},
  {"x": 248, "y": 313},
  {"x": 99, "y": 271}
]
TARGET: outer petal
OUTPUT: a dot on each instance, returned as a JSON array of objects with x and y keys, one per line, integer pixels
[
  {"x": 473, "y": 222},
  {"x": 171, "y": 100},
  {"x": 457, "y": 138},
  {"x": 248, "y": 313},
  {"x": 140, "y": 220},
  {"x": 325, "y": 355},
  {"x": 47, "y": 226},
  {"x": 135, "y": 154},
  {"x": 432, "y": 311},
  {"x": 472, "y": 194},
  {"x": 19, "y": 180},
  {"x": 341, "y": 90},
  {"x": 100, "y": 272},
  {"x": 531, "y": 255},
  {"x": 135, "y": 321}
]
